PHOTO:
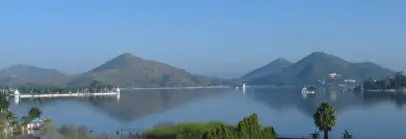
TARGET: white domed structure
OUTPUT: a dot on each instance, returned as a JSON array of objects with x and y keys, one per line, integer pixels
[{"x": 16, "y": 92}]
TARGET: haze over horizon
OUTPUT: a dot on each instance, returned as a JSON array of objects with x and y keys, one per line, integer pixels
[{"x": 205, "y": 37}]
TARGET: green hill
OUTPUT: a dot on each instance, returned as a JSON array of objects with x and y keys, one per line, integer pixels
[{"x": 127, "y": 70}]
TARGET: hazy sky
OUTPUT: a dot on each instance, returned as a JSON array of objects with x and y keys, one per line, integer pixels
[{"x": 202, "y": 36}]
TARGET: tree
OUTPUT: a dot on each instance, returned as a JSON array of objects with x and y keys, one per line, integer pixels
[
  {"x": 25, "y": 120},
  {"x": 12, "y": 119},
  {"x": 387, "y": 83},
  {"x": 247, "y": 128},
  {"x": 347, "y": 135},
  {"x": 315, "y": 135},
  {"x": 325, "y": 118},
  {"x": 34, "y": 113},
  {"x": 49, "y": 125},
  {"x": 7, "y": 118},
  {"x": 4, "y": 103}
]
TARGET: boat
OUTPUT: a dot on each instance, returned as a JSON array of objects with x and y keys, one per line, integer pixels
[
  {"x": 306, "y": 90},
  {"x": 240, "y": 86}
]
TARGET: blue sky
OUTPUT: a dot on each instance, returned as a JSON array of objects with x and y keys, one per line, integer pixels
[{"x": 212, "y": 37}]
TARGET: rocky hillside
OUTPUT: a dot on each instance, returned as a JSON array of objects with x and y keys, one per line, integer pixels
[{"x": 128, "y": 70}]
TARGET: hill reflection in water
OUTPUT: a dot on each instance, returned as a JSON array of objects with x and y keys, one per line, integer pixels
[
  {"x": 341, "y": 101},
  {"x": 370, "y": 114},
  {"x": 131, "y": 104}
]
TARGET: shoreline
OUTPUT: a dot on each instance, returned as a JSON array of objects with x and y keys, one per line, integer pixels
[
  {"x": 383, "y": 90},
  {"x": 160, "y": 88}
]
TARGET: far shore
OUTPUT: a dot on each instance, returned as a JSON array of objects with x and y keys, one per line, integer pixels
[
  {"x": 204, "y": 87},
  {"x": 384, "y": 90},
  {"x": 193, "y": 87}
]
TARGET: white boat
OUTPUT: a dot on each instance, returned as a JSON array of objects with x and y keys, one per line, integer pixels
[{"x": 306, "y": 91}]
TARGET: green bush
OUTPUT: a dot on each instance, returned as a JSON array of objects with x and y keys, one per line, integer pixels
[
  {"x": 181, "y": 131},
  {"x": 248, "y": 128}
]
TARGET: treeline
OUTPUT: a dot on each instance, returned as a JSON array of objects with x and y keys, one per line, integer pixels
[
  {"x": 398, "y": 81},
  {"x": 94, "y": 86}
]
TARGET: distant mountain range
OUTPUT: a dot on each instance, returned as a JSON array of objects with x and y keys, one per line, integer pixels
[
  {"x": 315, "y": 68},
  {"x": 25, "y": 70},
  {"x": 25, "y": 75},
  {"x": 127, "y": 70}
]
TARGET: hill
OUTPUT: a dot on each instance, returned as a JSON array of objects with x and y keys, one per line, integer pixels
[
  {"x": 28, "y": 71},
  {"x": 273, "y": 67},
  {"x": 25, "y": 75},
  {"x": 318, "y": 66},
  {"x": 127, "y": 70}
]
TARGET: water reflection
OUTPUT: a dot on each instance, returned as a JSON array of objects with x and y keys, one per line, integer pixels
[
  {"x": 372, "y": 98},
  {"x": 368, "y": 114},
  {"x": 359, "y": 112},
  {"x": 286, "y": 98},
  {"x": 131, "y": 105}
]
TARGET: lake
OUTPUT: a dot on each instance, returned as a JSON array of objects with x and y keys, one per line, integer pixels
[{"x": 366, "y": 115}]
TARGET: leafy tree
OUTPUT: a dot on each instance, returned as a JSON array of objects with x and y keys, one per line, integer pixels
[
  {"x": 325, "y": 118},
  {"x": 7, "y": 118},
  {"x": 268, "y": 133},
  {"x": 50, "y": 127},
  {"x": 370, "y": 84},
  {"x": 226, "y": 132},
  {"x": 11, "y": 118},
  {"x": 34, "y": 113},
  {"x": 4, "y": 103},
  {"x": 398, "y": 80},
  {"x": 247, "y": 128},
  {"x": 25, "y": 120}
]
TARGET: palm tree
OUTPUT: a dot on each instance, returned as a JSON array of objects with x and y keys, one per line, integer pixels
[
  {"x": 347, "y": 135},
  {"x": 34, "y": 113},
  {"x": 315, "y": 135},
  {"x": 325, "y": 118}
]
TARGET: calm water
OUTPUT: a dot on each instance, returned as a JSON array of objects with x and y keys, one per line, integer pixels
[{"x": 366, "y": 115}]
